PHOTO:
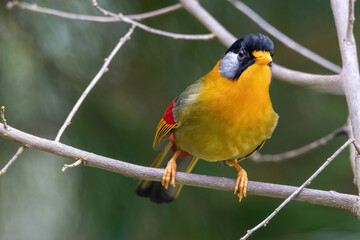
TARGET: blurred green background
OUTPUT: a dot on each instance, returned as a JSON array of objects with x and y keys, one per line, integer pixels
[{"x": 45, "y": 64}]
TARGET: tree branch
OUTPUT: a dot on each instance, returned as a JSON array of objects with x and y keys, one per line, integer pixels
[
  {"x": 327, "y": 198},
  {"x": 113, "y": 18},
  {"x": 283, "y": 38},
  {"x": 350, "y": 74},
  {"x": 194, "y": 7},
  {"x": 81, "y": 17},
  {"x": 153, "y": 30},
  {"x": 306, "y": 183},
  {"x": 35, "y": 8},
  {"x": 18, "y": 152},
  {"x": 257, "y": 157},
  {"x": 326, "y": 83},
  {"x": 93, "y": 82}
]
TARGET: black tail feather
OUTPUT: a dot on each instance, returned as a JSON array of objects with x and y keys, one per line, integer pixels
[{"x": 156, "y": 193}]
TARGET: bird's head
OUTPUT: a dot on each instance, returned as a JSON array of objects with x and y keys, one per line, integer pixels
[{"x": 253, "y": 48}]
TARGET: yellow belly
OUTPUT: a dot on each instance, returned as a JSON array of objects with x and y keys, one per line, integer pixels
[{"x": 228, "y": 119}]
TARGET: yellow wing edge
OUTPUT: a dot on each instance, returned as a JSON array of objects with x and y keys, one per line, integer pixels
[{"x": 162, "y": 129}]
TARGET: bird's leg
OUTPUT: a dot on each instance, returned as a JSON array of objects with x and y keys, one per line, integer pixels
[
  {"x": 241, "y": 180},
  {"x": 170, "y": 171}
]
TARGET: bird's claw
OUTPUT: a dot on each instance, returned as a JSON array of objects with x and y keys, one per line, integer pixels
[
  {"x": 169, "y": 174},
  {"x": 241, "y": 184}
]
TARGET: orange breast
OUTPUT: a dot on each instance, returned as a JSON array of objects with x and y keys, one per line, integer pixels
[{"x": 229, "y": 118}]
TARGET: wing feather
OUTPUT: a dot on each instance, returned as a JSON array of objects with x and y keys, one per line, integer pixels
[
  {"x": 166, "y": 124},
  {"x": 173, "y": 114}
]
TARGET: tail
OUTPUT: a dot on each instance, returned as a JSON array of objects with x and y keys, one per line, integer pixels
[{"x": 154, "y": 190}]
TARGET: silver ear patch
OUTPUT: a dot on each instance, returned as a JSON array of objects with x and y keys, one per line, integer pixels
[{"x": 229, "y": 65}]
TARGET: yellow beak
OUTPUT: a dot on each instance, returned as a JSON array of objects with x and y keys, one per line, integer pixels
[{"x": 262, "y": 57}]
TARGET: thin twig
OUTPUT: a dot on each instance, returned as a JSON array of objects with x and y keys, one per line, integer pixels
[
  {"x": 306, "y": 183},
  {"x": 155, "y": 13},
  {"x": 326, "y": 198},
  {"x": 12, "y": 160},
  {"x": 93, "y": 82},
  {"x": 113, "y": 18},
  {"x": 2, "y": 116},
  {"x": 283, "y": 38},
  {"x": 300, "y": 151},
  {"x": 75, "y": 164},
  {"x": 153, "y": 30},
  {"x": 35, "y": 8},
  {"x": 166, "y": 33}
]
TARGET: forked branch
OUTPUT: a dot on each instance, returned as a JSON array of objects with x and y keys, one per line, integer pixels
[
  {"x": 18, "y": 152},
  {"x": 130, "y": 19},
  {"x": 34, "y": 7}
]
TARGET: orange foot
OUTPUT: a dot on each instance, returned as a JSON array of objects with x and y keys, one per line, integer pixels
[
  {"x": 241, "y": 180},
  {"x": 170, "y": 171},
  {"x": 241, "y": 184}
]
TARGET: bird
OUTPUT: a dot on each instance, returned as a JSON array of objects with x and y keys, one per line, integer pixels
[{"x": 226, "y": 115}]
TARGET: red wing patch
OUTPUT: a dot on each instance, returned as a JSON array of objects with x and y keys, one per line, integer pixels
[{"x": 166, "y": 124}]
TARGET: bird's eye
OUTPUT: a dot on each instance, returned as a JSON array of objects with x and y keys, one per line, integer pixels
[{"x": 242, "y": 52}]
